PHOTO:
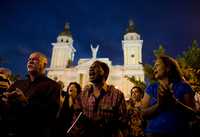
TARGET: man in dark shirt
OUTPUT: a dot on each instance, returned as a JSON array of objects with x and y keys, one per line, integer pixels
[{"x": 35, "y": 101}]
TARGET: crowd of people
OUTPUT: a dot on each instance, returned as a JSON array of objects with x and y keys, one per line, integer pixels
[{"x": 40, "y": 107}]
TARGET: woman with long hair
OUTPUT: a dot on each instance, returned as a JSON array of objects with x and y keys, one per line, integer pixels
[
  {"x": 165, "y": 103},
  {"x": 70, "y": 109}
]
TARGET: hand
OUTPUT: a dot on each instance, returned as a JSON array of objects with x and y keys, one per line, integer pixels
[
  {"x": 10, "y": 94},
  {"x": 164, "y": 93},
  {"x": 20, "y": 95}
]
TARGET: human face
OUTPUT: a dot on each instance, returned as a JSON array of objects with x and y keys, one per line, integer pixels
[
  {"x": 96, "y": 73},
  {"x": 34, "y": 63},
  {"x": 72, "y": 91},
  {"x": 159, "y": 69},
  {"x": 136, "y": 95}
]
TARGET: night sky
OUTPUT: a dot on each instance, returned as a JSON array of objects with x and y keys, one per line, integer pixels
[{"x": 32, "y": 25}]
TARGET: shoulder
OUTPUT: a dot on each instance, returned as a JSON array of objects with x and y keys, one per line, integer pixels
[
  {"x": 183, "y": 84},
  {"x": 51, "y": 82},
  {"x": 87, "y": 90},
  {"x": 115, "y": 90},
  {"x": 87, "y": 87},
  {"x": 181, "y": 88},
  {"x": 153, "y": 85},
  {"x": 151, "y": 90},
  {"x": 115, "y": 93}
]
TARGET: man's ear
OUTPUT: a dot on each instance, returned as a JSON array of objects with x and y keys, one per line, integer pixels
[
  {"x": 43, "y": 62},
  {"x": 102, "y": 71},
  {"x": 45, "y": 65}
]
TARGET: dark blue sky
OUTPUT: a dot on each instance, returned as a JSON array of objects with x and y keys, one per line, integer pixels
[{"x": 32, "y": 25}]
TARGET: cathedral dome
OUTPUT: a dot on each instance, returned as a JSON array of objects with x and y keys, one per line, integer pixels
[
  {"x": 131, "y": 27},
  {"x": 66, "y": 31}
]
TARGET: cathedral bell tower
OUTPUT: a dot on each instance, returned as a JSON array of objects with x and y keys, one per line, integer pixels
[
  {"x": 132, "y": 46},
  {"x": 63, "y": 50}
]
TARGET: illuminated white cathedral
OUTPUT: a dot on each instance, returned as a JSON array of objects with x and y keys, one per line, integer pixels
[{"x": 63, "y": 56}]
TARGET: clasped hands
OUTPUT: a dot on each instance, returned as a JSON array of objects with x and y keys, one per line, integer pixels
[
  {"x": 165, "y": 95},
  {"x": 17, "y": 93}
]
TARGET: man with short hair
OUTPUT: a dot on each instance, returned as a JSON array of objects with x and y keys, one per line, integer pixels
[
  {"x": 103, "y": 106},
  {"x": 34, "y": 101}
]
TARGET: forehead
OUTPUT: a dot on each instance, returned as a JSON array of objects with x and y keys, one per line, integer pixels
[
  {"x": 135, "y": 90},
  {"x": 72, "y": 85},
  {"x": 34, "y": 55},
  {"x": 96, "y": 64},
  {"x": 158, "y": 61}
]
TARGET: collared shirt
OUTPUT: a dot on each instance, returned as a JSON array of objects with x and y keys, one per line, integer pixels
[
  {"x": 110, "y": 101},
  {"x": 105, "y": 110}
]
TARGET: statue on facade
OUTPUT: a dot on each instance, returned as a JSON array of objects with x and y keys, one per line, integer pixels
[{"x": 94, "y": 51}]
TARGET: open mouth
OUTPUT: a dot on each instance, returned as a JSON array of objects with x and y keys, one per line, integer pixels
[
  {"x": 155, "y": 72},
  {"x": 70, "y": 92},
  {"x": 91, "y": 73},
  {"x": 92, "y": 76},
  {"x": 30, "y": 66}
]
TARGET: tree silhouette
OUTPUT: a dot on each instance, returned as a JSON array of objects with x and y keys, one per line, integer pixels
[{"x": 189, "y": 62}]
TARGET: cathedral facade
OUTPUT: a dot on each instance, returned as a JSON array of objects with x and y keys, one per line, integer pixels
[{"x": 63, "y": 55}]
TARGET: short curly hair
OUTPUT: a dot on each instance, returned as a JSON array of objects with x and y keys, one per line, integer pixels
[{"x": 104, "y": 67}]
